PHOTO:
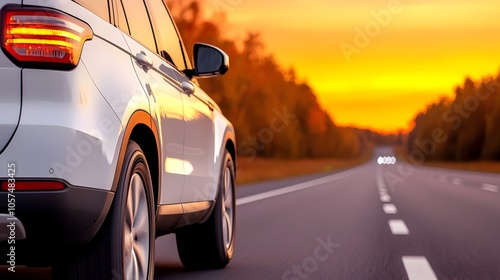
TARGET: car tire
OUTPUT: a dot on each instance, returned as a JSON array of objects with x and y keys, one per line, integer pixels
[
  {"x": 124, "y": 246},
  {"x": 211, "y": 245}
]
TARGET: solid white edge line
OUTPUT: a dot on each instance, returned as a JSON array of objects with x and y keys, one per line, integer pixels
[
  {"x": 456, "y": 181},
  {"x": 443, "y": 179},
  {"x": 418, "y": 268},
  {"x": 296, "y": 187},
  {"x": 489, "y": 187},
  {"x": 398, "y": 227}
]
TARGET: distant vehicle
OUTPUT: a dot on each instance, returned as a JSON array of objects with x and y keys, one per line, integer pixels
[{"x": 107, "y": 141}]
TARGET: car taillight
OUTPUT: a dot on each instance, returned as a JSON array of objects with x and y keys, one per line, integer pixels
[
  {"x": 43, "y": 38},
  {"x": 33, "y": 186}
]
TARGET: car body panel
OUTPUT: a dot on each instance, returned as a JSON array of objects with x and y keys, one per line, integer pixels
[
  {"x": 10, "y": 99},
  {"x": 168, "y": 113},
  {"x": 74, "y": 126},
  {"x": 75, "y": 140},
  {"x": 198, "y": 148}
]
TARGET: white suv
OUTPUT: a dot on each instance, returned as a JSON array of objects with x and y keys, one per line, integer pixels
[{"x": 107, "y": 141}]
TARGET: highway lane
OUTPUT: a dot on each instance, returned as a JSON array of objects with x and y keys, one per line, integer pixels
[
  {"x": 453, "y": 221},
  {"x": 371, "y": 222},
  {"x": 445, "y": 225}
]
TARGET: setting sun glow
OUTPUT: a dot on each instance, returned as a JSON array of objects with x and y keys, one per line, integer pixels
[{"x": 375, "y": 64}]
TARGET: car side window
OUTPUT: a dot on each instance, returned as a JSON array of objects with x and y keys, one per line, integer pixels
[
  {"x": 121, "y": 19},
  {"x": 138, "y": 23},
  {"x": 169, "y": 44},
  {"x": 98, "y": 7}
]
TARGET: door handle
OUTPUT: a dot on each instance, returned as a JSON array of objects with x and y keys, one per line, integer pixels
[
  {"x": 187, "y": 87},
  {"x": 143, "y": 60}
]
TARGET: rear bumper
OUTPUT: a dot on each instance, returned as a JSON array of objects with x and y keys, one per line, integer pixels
[{"x": 54, "y": 220}]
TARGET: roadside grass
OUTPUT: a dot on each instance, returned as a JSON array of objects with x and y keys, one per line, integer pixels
[
  {"x": 477, "y": 166},
  {"x": 263, "y": 169}
]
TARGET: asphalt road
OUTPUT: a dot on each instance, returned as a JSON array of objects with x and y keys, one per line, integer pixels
[{"x": 370, "y": 222}]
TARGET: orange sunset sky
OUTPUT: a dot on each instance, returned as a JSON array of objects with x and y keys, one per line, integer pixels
[{"x": 424, "y": 50}]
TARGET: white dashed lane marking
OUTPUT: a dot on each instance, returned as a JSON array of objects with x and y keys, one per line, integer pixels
[
  {"x": 390, "y": 209},
  {"x": 418, "y": 268},
  {"x": 489, "y": 188},
  {"x": 443, "y": 179},
  {"x": 380, "y": 183},
  {"x": 385, "y": 198},
  {"x": 398, "y": 227}
]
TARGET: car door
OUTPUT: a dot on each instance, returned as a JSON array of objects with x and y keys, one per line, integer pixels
[
  {"x": 158, "y": 77},
  {"x": 198, "y": 155}
]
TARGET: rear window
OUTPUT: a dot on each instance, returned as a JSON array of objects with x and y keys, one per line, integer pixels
[{"x": 98, "y": 7}]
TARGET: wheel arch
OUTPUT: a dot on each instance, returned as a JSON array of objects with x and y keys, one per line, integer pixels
[
  {"x": 231, "y": 148},
  {"x": 142, "y": 130}
]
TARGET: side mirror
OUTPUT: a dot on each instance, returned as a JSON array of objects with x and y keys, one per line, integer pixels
[{"x": 209, "y": 61}]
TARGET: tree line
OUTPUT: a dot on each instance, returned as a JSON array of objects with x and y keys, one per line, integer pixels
[
  {"x": 462, "y": 128},
  {"x": 274, "y": 113}
]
